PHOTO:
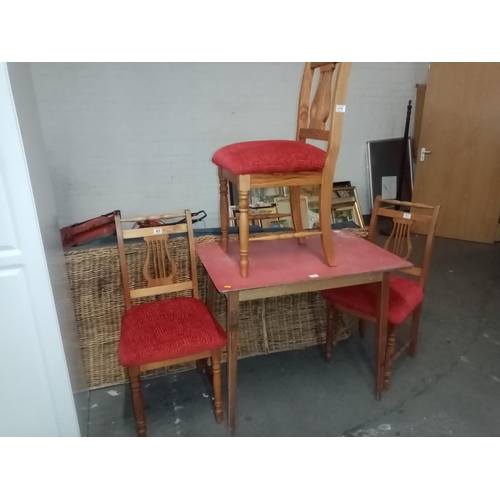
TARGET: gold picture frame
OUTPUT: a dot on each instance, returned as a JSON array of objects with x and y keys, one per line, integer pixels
[
  {"x": 345, "y": 198},
  {"x": 261, "y": 216}
]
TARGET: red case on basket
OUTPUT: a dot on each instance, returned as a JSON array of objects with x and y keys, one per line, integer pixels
[{"x": 91, "y": 229}]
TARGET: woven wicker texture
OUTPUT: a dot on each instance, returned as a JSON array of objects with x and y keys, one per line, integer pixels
[{"x": 265, "y": 326}]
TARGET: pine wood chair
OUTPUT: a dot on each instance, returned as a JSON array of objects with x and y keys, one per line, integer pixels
[
  {"x": 261, "y": 164},
  {"x": 405, "y": 295},
  {"x": 171, "y": 331}
]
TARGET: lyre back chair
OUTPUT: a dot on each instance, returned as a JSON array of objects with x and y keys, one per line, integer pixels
[
  {"x": 165, "y": 332},
  {"x": 405, "y": 294},
  {"x": 275, "y": 163}
]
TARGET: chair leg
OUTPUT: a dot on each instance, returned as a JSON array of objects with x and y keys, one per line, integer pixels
[
  {"x": 134, "y": 375},
  {"x": 332, "y": 318},
  {"x": 415, "y": 321},
  {"x": 243, "y": 231},
  {"x": 296, "y": 213},
  {"x": 216, "y": 380},
  {"x": 362, "y": 328},
  {"x": 389, "y": 354},
  {"x": 325, "y": 222},
  {"x": 224, "y": 212}
]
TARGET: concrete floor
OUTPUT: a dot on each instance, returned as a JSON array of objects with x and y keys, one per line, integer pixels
[{"x": 452, "y": 388}]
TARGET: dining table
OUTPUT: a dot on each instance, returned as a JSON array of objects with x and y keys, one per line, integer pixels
[{"x": 287, "y": 266}]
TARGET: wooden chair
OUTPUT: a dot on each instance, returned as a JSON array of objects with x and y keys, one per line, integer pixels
[
  {"x": 261, "y": 164},
  {"x": 165, "y": 332},
  {"x": 405, "y": 295}
]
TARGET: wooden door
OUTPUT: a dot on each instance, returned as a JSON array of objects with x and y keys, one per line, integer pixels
[{"x": 461, "y": 129}]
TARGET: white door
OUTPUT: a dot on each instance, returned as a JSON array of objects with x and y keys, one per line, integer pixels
[{"x": 36, "y": 396}]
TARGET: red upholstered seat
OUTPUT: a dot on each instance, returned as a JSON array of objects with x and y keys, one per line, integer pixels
[
  {"x": 168, "y": 329},
  {"x": 269, "y": 157},
  {"x": 404, "y": 296}
]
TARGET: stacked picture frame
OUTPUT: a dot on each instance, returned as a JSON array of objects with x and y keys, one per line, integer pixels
[
  {"x": 345, "y": 204},
  {"x": 272, "y": 210}
]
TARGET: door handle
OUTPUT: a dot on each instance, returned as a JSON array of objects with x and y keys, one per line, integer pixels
[{"x": 424, "y": 152}]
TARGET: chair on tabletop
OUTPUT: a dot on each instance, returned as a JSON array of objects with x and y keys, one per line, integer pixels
[{"x": 290, "y": 163}]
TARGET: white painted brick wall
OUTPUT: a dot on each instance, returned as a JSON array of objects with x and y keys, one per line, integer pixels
[
  {"x": 377, "y": 99},
  {"x": 140, "y": 136}
]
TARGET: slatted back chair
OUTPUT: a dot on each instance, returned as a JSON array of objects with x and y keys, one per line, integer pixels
[
  {"x": 399, "y": 240},
  {"x": 405, "y": 294},
  {"x": 171, "y": 331},
  {"x": 156, "y": 271},
  {"x": 275, "y": 163}
]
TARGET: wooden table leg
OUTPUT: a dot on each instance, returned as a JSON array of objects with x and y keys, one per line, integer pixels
[
  {"x": 210, "y": 295},
  {"x": 233, "y": 302},
  {"x": 381, "y": 334}
]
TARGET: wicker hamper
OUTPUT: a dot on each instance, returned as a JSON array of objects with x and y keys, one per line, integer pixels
[{"x": 269, "y": 325}]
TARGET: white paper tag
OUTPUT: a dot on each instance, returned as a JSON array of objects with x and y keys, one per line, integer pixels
[
  {"x": 406, "y": 216},
  {"x": 314, "y": 276},
  {"x": 157, "y": 230},
  {"x": 340, "y": 108},
  {"x": 389, "y": 187}
]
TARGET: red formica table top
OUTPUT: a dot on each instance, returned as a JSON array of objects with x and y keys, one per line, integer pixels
[{"x": 282, "y": 262}]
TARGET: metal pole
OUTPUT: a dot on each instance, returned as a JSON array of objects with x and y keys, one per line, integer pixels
[{"x": 402, "y": 171}]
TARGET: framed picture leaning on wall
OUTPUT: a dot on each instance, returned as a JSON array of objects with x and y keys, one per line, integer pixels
[{"x": 345, "y": 204}]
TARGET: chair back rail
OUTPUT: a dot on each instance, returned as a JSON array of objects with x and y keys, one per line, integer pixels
[
  {"x": 318, "y": 109},
  {"x": 159, "y": 268},
  {"x": 399, "y": 240}
]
